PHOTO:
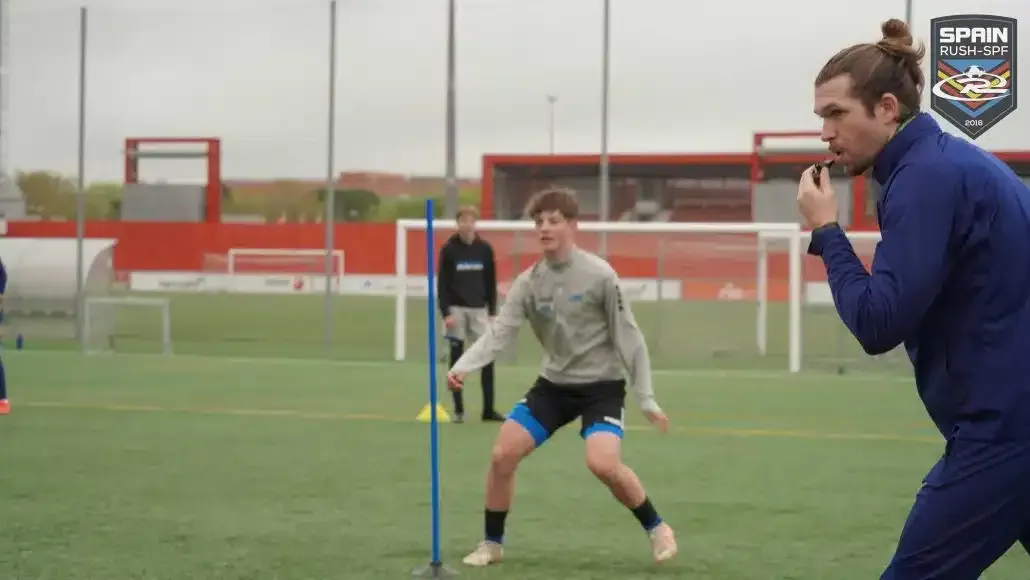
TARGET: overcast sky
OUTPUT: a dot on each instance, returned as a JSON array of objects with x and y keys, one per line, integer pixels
[{"x": 685, "y": 76}]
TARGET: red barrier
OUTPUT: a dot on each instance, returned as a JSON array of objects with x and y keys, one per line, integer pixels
[
  {"x": 704, "y": 263},
  {"x": 166, "y": 246}
]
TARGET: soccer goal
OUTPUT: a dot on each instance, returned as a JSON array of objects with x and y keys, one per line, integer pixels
[
  {"x": 276, "y": 270},
  {"x": 127, "y": 324},
  {"x": 826, "y": 342},
  {"x": 694, "y": 287}
]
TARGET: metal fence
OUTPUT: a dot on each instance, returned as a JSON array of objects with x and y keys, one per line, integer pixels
[
  {"x": 298, "y": 93},
  {"x": 695, "y": 296}
]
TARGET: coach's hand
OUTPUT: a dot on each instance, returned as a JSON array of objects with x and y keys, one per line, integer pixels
[
  {"x": 658, "y": 419},
  {"x": 455, "y": 381},
  {"x": 449, "y": 321},
  {"x": 818, "y": 203}
]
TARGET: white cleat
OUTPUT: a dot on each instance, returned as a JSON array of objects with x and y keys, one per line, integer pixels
[
  {"x": 485, "y": 554},
  {"x": 663, "y": 543}
]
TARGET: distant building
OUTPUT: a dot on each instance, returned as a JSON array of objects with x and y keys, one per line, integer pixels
[{"x": 382, "y": 183}]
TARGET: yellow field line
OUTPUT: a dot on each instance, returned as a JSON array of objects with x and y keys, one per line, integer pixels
[{"x": 326, "y": 416}]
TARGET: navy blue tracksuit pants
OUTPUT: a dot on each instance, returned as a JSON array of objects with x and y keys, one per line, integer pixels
[{"x": 974, "y": 505}]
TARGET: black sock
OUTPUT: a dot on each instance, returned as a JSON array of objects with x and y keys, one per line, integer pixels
[
  {"x": 495, "y": 526},
  {"x": 457, "y": 349},
  {"x": 488, "y": 390},
  {"x": 646, "y": 515}
]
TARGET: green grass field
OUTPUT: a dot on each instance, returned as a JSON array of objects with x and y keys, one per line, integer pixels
[
  {"x": 246, "y": 456},
  {"x": 681, "y": 335}
]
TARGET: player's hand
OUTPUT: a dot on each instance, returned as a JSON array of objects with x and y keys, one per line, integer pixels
[
  {"x": 818, "y": 203},
  {"x": 455, "y": 381},
  {"x": 658, "y": 419},
  {"x": 449, "y": 321}
]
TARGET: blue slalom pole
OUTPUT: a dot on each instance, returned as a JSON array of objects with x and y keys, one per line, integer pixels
[
  {"x": 434, "y": 443},
  {"x": 435, "y": 569}
]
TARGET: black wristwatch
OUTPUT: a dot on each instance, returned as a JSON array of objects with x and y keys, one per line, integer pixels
[
  {"x": 812, "y": 250},
  {"x": 824, "y": 227}
]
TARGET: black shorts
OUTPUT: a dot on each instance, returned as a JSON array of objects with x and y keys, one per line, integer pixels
[{"x": 548, "y": 407}]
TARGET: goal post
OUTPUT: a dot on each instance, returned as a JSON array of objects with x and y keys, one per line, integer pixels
[
  {"x": 691, "y": 249},
  {"x": 307, "y": 265},
  {"x": 826, "y": 339},
  {"x": 102, "y": 322}
]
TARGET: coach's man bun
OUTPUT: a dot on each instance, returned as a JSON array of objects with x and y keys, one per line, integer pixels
[
  {"x": 896, "y": 32},
  {"x": 898, "y": 42}
]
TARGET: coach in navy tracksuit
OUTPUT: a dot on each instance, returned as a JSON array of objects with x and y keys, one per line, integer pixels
[
  {"x": 5, "y": 406},
  {"x": 950, "y": 280}
]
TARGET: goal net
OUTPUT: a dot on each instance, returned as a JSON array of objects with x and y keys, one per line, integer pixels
[
  {"x": 827, "y": 344},
  {"x": 127, "y": 324},
  {"x": 277, "y": 270},
  {"x": 693, "y": 287}
]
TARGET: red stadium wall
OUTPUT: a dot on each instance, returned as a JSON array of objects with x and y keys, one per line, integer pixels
[{"x": 706, "y": 266}]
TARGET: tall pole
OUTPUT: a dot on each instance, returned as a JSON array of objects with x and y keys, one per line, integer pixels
[
  {"x": 330, "y": 189},
  {"x": 9, "y": 189},
  {"x": 451, "y": 192},
  {"x": 5, "y": 27},
  {"x": 605, "y": 183},
  {"x": 908, "y": 13},
  {"x": 551, "y": 100},
  {"x": 80, "y": 200}
]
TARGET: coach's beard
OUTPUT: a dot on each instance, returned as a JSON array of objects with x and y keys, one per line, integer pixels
[{"x": 857, "y": 169}]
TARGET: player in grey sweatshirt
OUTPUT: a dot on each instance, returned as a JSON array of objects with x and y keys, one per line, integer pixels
[{"x": 572, "y": 301}]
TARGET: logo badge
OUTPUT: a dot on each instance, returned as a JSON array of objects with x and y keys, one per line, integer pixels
[{"x": 973, "y": 74}]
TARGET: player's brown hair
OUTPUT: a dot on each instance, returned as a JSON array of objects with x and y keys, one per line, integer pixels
[
  {"x": 468, "y": 210},
  {"x": 556, "y": 199},
  {"x": 892, "y": 65}
]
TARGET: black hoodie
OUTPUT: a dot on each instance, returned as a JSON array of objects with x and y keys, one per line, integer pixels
[{"x": 467, "y": 275}]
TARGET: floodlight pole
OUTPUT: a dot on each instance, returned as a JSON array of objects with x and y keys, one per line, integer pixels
[
  {"x": 329, "y": 221},
  {"x": 551, "y": 100},
  {"x": 80, "y": 199},
  {"x": 451, "y": 187},
  {"x": 605, "y": 171}
]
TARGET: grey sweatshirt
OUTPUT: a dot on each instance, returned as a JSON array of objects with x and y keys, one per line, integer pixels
[{"x": 578, "y": 314}]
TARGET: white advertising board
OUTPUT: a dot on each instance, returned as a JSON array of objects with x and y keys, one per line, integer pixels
[{"x": 639, "y": 289}]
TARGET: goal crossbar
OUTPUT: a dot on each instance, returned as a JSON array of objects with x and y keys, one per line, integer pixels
[
  {"x": 313, "y": 260},
  {"x": 235, "y": 253},
  {"x": 789, "y": 232},
  {"x": 765, "y": 239},
  {"x": 281, "y": 252}
]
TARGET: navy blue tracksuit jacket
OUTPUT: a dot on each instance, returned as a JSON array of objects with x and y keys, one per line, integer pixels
[
  {"x": 951, "y": 281},
  {"x": 3, "y": 288}
]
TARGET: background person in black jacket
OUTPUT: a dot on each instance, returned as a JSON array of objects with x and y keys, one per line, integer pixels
[{"x": 467, "y": 295}]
